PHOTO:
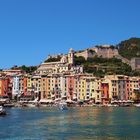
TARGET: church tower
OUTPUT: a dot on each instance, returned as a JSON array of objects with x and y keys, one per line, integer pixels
[{"x": 71, "y": 56}]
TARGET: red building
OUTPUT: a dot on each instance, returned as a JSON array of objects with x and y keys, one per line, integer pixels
[
  {"x": 70, "y": 86},
  {"x": 105, "y": 92},
  {"x": 6, "y": 86}
]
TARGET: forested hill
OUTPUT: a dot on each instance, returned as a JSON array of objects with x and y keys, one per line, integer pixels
[{"x": 129, "y": 48}]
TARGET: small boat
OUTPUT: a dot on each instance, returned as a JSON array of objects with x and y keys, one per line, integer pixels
[
  {"x": 30, "y": 105},
  {"x": 124, "y": 105},
  {"x": 137, "y": 105},
  {"x": 2, "y": 111},
  {"x": 9, "y": 105},
  {"x": 62, "y": 106}
]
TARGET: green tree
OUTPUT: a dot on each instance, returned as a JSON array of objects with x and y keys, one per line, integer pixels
[
  {"x": 53, "y": 59},
  {"x": 129, "y": 48},
  {"x": 79, "y": 60}
]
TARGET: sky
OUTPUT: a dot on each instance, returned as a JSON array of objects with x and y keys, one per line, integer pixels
[{"x": 30, "y": 30}]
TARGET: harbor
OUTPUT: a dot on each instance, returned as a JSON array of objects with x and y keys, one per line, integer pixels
[{"x": 70, "y": 70}]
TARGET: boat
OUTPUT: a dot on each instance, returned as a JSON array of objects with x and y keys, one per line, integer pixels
[
  {"x": 31, "y": 104},
  {"x": 62, "y": 105},
  {"x": 112, "y": 105},
  {"x": 2, "y": 111},
  {"x": 9, "y": 105},
  {"x": 137, "y": 105}
]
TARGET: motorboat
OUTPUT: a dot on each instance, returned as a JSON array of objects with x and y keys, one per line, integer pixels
[{"x": 2, "y": 111}]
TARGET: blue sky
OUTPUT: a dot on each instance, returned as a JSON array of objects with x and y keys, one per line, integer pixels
[{"x": 32, "y": 29}]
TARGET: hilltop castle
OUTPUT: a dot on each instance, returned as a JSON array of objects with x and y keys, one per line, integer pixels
[
  {"x": 104, "y": 51},
  {"x": 66, "y": 62}
]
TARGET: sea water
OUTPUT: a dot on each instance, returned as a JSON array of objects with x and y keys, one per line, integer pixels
[{"x": 80, "y": 123}]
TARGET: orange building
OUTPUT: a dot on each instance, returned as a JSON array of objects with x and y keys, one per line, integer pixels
[
  {"x": 4, "y": 86},
  {"x": 44, "y": 87},
  {"x": 25, "y": 86},
  {"x": 105, "y": 92}
]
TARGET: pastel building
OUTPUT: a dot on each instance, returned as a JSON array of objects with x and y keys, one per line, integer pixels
[
  {"x": 88, "y": 93},
  {"x": 115, "y": 87},
  {"x": 29, "y": 85},
  {"x": 78, "y": 86},
  {"x": 82, "y": 88},
  {"x": 4, "y": 83},
  {"x": 25, "y": 86},
  {"x": 76, "y": 95},
  {"x": 134, "y": 87},
  {"x": 43, "y": 87},
  {"x": 70, "y": 86},
  {"x": 97, "y": 90},
  {"x": 21, "y": 85},
  {"x": 105, "y": 92},
  {"x": 121, "y": 88},
  {"x": 128, "y": 89},
  {"x": 36, "y": 86},
  {"x": 63, "y": 86},
  {"x": 16, "y": 84},
  {"x": 55, "y": 87}
]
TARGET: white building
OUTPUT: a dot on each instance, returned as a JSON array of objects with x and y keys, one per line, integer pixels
[{"x": 16, "y": 82}]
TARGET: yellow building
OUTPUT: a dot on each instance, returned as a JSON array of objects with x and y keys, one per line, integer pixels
[
  {"x": 82, "y": 88},
  {"x": 96, "y": 90},
  {"x": 134, "y": 87},
  {"x": 29, "y": 85}
]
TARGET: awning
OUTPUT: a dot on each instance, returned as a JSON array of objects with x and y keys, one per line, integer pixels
[
  {"x": 46, "y": 101},
  {"x": 69, "y": 101},
  {"x": 130, "y": 101}
]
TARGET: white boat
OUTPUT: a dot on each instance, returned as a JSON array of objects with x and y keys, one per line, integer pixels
[
  {"x": 112, "y": 105},
  {"x": 137, "y": 105},
  {"x": 30, "y": 105},
  {"x": 62, "y": 105},
  {"x": 2, "y": 111}
]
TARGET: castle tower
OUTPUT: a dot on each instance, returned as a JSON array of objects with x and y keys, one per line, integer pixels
[{"x": 71, "y": 56}]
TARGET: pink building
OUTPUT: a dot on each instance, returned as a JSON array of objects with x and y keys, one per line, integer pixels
[{"x": 70, "y": 86}]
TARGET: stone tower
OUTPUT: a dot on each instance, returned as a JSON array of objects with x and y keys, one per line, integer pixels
[{"x": 71, "y": 56}]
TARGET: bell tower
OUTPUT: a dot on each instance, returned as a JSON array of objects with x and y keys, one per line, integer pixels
[{"x": 71, "y": 56}]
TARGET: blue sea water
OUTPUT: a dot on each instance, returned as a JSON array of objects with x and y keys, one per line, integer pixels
[{"x": 81, "y": 123}]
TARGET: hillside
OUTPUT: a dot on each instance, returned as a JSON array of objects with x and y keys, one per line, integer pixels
[
  {"x": 27, "y": 69},
  {"x": 101, "y": 66},
  {"x": 106, "y": 60},
  {"x": 129, "y": 48}
]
